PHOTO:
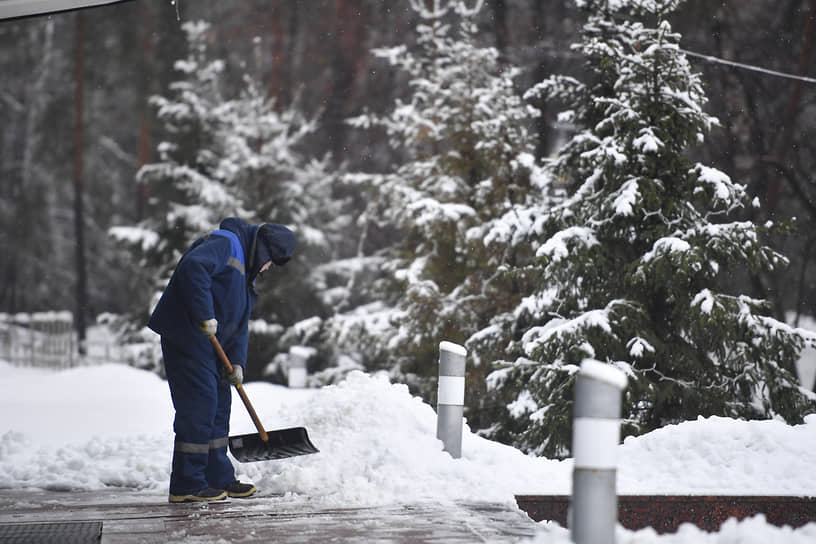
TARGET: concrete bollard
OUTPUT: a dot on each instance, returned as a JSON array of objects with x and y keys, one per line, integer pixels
[
  {"x": 298, "y": 355},
  {"x": 595, "y": 438},
  {"x": 451, "y": 397}
]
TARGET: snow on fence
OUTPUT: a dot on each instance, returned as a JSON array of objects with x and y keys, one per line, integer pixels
[
  {"x": 48, "y": 340},
  {"x": 44, "y": 339}
]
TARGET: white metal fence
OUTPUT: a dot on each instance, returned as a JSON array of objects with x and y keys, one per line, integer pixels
[
  {"x": 48, "y": 340},
  {"x": 44, "y": 339}
]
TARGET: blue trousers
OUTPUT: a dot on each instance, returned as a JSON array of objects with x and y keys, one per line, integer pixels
[{"x": 202, "y": 400}]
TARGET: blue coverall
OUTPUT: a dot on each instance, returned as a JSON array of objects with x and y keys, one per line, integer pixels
[{"x": 214, "y": 279}]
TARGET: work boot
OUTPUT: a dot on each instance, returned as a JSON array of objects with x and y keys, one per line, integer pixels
[
  {"x": 204, "y": 495},
  {"x": 238, "y": 490}
]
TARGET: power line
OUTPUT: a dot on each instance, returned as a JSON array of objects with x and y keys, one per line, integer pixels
[{"x": 717, "y": 60}]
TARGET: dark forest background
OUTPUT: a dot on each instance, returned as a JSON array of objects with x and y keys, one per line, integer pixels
[{"x": 76, "y": 124}]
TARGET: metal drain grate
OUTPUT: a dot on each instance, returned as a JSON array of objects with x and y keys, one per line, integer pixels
[{"x": 81, "y": 532}]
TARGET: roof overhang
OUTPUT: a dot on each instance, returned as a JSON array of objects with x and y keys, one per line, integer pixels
[{"x": 12, "y": 9}]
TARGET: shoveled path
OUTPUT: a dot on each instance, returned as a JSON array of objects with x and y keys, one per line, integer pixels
[{"x": 125, "y": 516}]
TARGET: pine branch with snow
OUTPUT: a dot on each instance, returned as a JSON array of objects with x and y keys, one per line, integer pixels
[{"x": 634, "y": 267}]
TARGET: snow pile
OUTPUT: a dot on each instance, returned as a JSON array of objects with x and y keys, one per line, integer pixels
[
  {"x": 84, "y": 428},
  {"x": 720, "y": 456},
  {"x": 753, "y": 530},
  {"x": 111, "y": 425},
  {"x": 378, "y": 445}
]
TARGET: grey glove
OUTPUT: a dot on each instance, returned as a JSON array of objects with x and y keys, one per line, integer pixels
[
  {"x": 237, "y": 376},
  {"x": 208, "y": 327}
]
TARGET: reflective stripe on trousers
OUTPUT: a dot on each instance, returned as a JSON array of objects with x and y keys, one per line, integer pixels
[{"x": 189, "y": 447}]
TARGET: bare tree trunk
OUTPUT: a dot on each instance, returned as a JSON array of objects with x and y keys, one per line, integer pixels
[
  {"x": 79, "y": 230},
  {"x": 500, "y": 25},
  {"x": 789, "y": 119},
  {"x": 345, "y": 63},
  {"x": 145, "y": 124}
]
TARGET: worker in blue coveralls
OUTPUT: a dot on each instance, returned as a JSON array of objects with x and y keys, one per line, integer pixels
[{"x": 211, "y": 293}]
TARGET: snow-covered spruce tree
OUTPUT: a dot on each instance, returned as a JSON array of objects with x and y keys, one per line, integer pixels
[
  {"x": 262, "y": 159},
  {"x": 462, "y": 131},
  {"x": 232, "y": 157},
  {"x": 186, "y": 195},
  {"x": 636, "y": 267},
  {"x": 185, "y": 199}
]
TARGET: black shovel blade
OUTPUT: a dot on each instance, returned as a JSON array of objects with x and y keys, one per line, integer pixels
[{"x": 282, "y": 443}]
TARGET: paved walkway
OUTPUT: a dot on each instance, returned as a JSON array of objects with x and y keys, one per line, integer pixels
[{"x": 129, "y": 517}]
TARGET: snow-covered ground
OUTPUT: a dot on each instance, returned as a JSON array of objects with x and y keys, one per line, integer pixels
[{"x": 111, "y": 425}]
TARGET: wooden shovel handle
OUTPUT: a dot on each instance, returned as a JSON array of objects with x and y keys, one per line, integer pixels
[{"x": 225, "y": 360}]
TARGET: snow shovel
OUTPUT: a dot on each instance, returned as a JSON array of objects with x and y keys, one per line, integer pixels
[{"x": 263, "y": 446}]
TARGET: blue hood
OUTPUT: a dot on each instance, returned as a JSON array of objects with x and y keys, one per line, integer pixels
[{"x": 264, "y": 243}]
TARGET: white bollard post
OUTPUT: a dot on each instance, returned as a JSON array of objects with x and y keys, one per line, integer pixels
[
  {"x": 595, "y": 438},
  {"x": 450, "y": 405},
  {"x": 297, "y": 366}
]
